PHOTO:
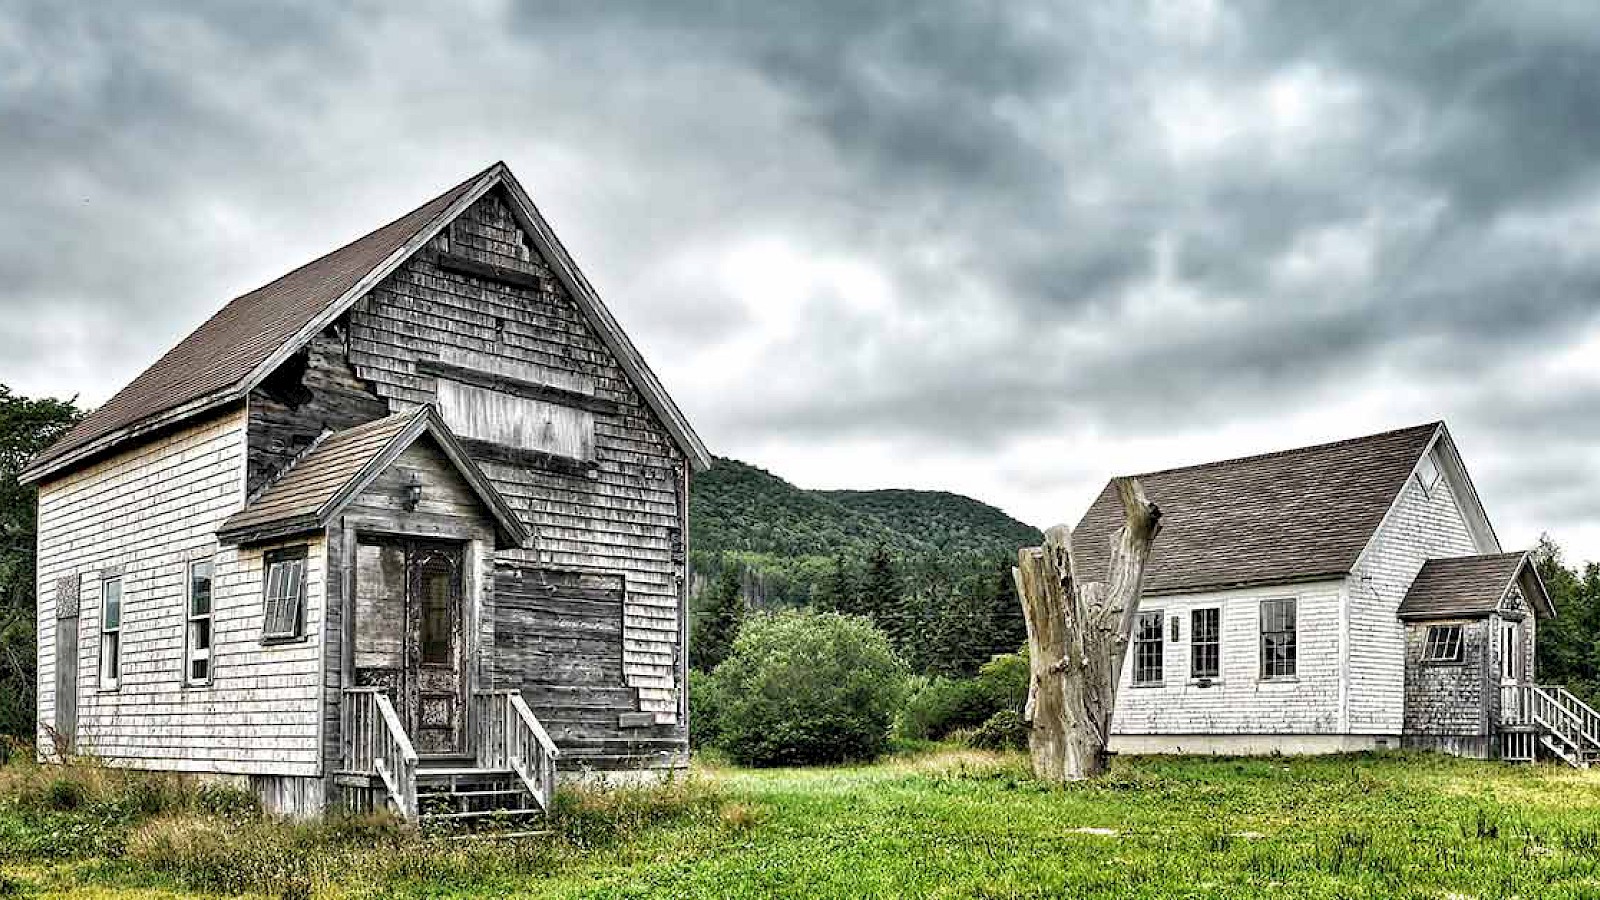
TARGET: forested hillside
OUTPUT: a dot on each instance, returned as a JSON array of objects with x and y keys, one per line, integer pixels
[{"x": 926, "y": 563}]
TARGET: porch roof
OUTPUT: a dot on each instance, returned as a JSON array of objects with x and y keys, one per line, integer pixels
[
  {"x": 1473, "y": 587},
  {"x": 312, "y": 491}
]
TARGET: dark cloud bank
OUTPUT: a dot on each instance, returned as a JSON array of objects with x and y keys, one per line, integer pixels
[{"x": 1000, "y": 248}]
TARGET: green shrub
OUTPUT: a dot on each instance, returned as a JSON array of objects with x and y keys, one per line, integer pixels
[
  {"x": 703, "y": 710},
  {"x": 1004, "y": 730},
  {"x": 938, "y": 707},
  {"x": 805, "y": 687},
  {"x": 1007, "y": 676},
  {"x": 943, "y": 705}
]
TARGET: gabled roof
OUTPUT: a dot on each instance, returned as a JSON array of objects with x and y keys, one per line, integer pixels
[
  {"x": 227, "y": 356},
  {"x": 314, "y": 489},
  {"x": 1291, "y": 516},
  {"x": 1474, "y": 586}
]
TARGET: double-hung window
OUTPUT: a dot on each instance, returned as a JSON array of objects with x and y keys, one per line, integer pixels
[
  {"x": 1147, "y": 648},
  {"x": 1205, "y": 643},
  {"x": 1443, "y": 644},
  {"x": 197, "y": 647},
  {"x": 283, "y": 616},
  {"x": 1278, "y": 649},
  {"x": 111, "y": 632}
]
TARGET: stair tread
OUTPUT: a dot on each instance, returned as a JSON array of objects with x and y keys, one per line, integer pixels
[
  {"x": 457, "y": 771},
  {"x": 495, "y": 793},
  {"x": 492, "y": 835},
  {"x": 479, "y": 814}
]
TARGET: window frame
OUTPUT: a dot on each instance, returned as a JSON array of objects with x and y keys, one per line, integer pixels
[
  {"x": 191, "y": 619},
  {"x": 297, "y": 553},
  {"x": 1437, "y": 636},
  {"x": 1429, "y": 463},
  {"x": 1267, "y": 670},
  {"x": 109, "y": 636},
  {"x": 1141, "y": 641},
  {"x": 1215, "y": 642}
]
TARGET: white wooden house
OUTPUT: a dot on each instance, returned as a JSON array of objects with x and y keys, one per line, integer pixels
[
  {"x": 410, "y": 520},
  {"x": 1342, "y": 597}
]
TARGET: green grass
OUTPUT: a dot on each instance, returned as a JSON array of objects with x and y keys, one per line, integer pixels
[{"x": 939, "y": 823}]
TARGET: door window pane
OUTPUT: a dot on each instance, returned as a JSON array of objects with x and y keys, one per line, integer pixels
[
  {"x": 380, "y": 606},
  {"x": 435, "y": 583}
]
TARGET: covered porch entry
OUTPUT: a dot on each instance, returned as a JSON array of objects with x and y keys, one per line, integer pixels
[{"x": 415, "y": 720}]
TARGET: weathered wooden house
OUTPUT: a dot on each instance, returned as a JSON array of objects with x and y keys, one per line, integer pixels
[
  {"x": 411, "y": 519},
  {"x": 1342, "y": 597}
]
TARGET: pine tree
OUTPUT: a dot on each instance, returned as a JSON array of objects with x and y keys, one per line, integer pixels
[
  {"x": 836, "y": 592},
  {"x": 717, "y": 622},
  {"x": 882, "y": 595}
]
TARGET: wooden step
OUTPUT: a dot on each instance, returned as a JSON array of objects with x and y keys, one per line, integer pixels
[
  {"x": 507, "y": 792},
  {"x": 491, "y": 835},
  {"x": 477, "y": 814},
  {"x": 436, "y": 772}
]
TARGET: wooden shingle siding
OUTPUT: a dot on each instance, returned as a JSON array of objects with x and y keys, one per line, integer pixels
[
  {"x": 621, "y": 518},
  {"x": 1240, "y": 702},
  {"x": 1451, "y": 699},
  {"x": 1422, "y": 526},
  {"x": 148, "y": 511}
]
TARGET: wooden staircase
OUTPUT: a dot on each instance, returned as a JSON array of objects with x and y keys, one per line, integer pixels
[
  {"x": 1549, "y": 721},
  {"x": 508, "y": 780}
]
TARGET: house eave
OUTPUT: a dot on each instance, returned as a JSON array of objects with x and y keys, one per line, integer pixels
[
  {"x": 36, "y": 473},
  {"x": 1284, "y": 581}
]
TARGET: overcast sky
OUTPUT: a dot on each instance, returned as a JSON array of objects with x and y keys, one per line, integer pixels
[{"x": 994, "y": 248}]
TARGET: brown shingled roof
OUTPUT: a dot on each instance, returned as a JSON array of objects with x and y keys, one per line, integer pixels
[
  {"x": 317, "y": 485},
  {"x": 224, "y": 351},
  {"x": 1471, "y": 586},
  {"x": 1295, "y": 515}
]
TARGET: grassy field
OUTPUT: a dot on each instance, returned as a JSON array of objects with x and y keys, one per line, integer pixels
[{"x": 943, "y": 823}]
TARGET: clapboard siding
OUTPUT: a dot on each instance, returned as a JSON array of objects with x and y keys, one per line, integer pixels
[
  {"x": 148, "y": 511},
  {"x": 621, "y": 517},
  {"x": 1240, "y": 702},
  {"x": 1423, "y": 525}
]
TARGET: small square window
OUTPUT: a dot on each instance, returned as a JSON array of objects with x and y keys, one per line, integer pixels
[{"x": 1443, "y": 644}]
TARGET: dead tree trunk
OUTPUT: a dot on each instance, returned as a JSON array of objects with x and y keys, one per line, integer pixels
[{"x": 1077, "y": 636}]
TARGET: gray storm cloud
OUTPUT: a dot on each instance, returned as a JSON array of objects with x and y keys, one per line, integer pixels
[{"x": 1002, "y": 249}]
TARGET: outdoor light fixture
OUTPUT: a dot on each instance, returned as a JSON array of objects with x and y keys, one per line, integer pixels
[{"x": 413, "y": 491}]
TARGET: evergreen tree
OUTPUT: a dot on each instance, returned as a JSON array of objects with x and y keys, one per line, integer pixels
[
  {"x": 717, "y": 622},
  {"x": 26, "y": 427},
  {"x": 882, "y": 595},
  {"x": 836, "y": 592}
]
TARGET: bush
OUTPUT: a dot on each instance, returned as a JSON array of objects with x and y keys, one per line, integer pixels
[
  {"x": 938, "y": 707},
  {"x": 1004, "y": 730},
  {"x": 804, "y": 687},
  {"x": 943, "y": 705},
  {"x": 703, "y": 709}
]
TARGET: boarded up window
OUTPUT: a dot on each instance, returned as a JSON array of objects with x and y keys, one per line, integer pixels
[
  {"x": 559, "y": 633},
  {"x": 380, "y": 611},
  {"x": 509, "y": 421}
]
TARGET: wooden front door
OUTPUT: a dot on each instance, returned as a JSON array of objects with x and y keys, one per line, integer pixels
[{"x": 408, "y": 636}]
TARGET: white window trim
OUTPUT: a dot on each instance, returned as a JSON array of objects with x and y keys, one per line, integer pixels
[
  {"x": 302, "y": 554},
  {"x": 1160, "y": 642},
  {"x": 1428, "y": 646},
  {"x": 111, "y": 681},
  {"x": 1193, "y": 657},
  {"x": 190, "y": 654},
  {"x": 1261, "y": 643}
]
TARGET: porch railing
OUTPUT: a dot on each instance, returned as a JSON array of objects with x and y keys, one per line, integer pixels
[
  {"x": 508, "y": 736},
  {"x": 1529, "y": 704},
  {"x": 375, "y": 743},
  {"x": 1587, "y": 717}
]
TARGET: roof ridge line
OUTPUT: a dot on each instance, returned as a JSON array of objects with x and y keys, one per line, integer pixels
[{"x": 1285, "y": 452}]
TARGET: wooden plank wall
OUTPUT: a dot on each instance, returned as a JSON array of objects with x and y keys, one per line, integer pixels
[
  {"x": 147, "y": 512},
  {"x": 622, "y": 517},
  {"x": 315, "y": 391}
]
